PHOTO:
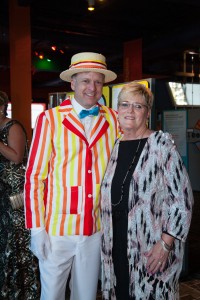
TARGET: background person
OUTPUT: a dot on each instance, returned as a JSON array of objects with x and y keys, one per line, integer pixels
[
  {"x": 146, "y": 201},
  {"x": 19, "y": 274},
  {"x": 69, "y": 152}
]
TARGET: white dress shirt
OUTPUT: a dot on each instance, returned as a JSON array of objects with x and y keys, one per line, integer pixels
[{"x": 87, "y": 121}]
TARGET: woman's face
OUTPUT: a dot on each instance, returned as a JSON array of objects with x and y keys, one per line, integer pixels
[{"x": 133, "y": 113}]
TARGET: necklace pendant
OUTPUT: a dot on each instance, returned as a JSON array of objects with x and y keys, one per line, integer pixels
[{"x": 128, "y": 171}]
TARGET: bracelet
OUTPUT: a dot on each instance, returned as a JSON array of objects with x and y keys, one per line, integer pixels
[{"x": 165, "y": 246}]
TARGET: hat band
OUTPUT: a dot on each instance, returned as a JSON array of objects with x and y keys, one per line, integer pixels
[{"x": 88, "y": 65}]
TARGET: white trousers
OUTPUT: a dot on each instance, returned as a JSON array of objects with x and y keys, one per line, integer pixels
[{"x": 78, "y": 254}]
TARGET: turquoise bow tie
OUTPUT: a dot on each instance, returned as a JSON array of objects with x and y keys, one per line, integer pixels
[{"x": 92, "y": 112}]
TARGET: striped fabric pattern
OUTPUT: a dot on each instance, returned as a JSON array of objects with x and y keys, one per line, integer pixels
[
  {"x": 65, "y": 170},
  {"x": 89, "y": 64}
]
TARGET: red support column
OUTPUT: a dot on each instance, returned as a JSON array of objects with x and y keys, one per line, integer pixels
[
  {"x": 20, "y": 64},
  {"x": 132, "y": 61}
]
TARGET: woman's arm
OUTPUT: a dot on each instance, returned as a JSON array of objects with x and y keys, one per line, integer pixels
[
  {"x": 15, "y": 149},
  {"x": 179, "y": 201},
  {"x": 167, "y": 239}
]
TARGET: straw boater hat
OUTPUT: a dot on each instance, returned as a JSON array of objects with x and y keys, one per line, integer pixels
[{"x": 88, "y": 62}]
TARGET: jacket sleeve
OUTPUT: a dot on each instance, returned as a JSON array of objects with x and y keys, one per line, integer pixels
[
  {"x": 36, "y": 173},
  {"x": 178, "y": 190}
]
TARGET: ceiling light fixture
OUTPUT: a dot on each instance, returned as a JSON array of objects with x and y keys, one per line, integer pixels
[
  {"x": 41, "y": 56},
  {"x": 91, "y": 4}
]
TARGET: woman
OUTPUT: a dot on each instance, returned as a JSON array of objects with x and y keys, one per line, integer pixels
[
  {"x": 146, "y": 200},
  {"x": 18, "y": 267}
]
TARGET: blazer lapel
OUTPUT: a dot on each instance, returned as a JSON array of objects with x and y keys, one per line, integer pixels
[
  {"x": 99, "y": 127},
  {"x": 73, "y": 123},
  {"x": 71, "y": 120}
]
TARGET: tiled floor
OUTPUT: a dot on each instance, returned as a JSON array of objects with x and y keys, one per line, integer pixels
[{"x": 190, "y": 289}]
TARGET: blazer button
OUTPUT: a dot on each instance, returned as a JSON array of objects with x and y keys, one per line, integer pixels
[{"x": 89, "y": 195}]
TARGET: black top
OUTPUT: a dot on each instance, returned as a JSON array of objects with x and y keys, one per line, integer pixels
[{"x": 127, "y": 150}]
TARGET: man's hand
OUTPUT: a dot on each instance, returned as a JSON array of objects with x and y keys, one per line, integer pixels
[{"x": 40, "y": 243}]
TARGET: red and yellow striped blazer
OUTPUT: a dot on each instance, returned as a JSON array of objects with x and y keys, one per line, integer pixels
[{"x": 65, "y": 170}]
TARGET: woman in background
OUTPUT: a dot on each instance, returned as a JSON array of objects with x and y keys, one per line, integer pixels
[
  {"x": 146, "y": 201},
  {"x": 19, "y": 275}
]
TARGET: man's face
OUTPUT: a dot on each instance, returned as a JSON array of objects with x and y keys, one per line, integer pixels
[{"x": 87, "y": 87}]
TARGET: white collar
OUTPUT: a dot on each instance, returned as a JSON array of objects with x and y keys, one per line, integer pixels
[{"x": 77, "y": 107}]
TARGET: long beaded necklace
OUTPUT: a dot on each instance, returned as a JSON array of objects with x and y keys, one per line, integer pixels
[{"x": 129, "y": 169}]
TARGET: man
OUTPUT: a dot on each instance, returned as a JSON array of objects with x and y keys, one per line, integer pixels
[{"x": 67, "y": 161}]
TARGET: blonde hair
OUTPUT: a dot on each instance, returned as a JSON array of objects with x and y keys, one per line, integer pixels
[{"x": 135, "y": 88}]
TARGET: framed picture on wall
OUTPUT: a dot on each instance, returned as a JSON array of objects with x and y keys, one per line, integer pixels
[{"x": 175, "y": 122}]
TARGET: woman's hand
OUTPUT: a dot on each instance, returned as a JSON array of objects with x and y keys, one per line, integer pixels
[{"x": 157, "y": 258}]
